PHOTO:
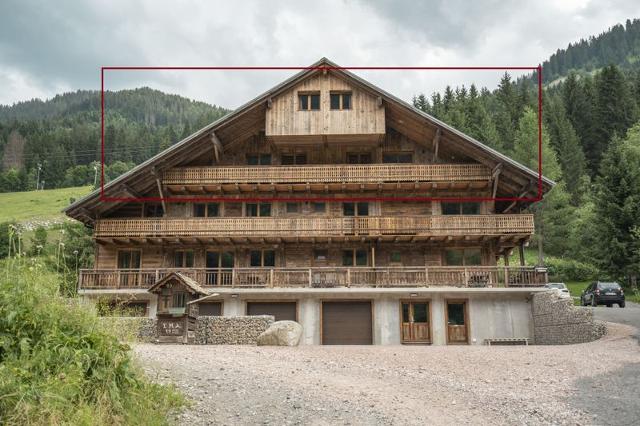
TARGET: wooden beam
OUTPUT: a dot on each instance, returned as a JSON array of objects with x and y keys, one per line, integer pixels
[
  {"x": 436, "y": 144},
  {"x": 495, "y": 176},
  {"x": 156, "y": 174},
  {"x": 218, "y": 149},
  {"x": 134, "y": 194}
]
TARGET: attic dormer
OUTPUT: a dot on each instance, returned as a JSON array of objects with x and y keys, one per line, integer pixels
[{"x": 325, "y": 108}]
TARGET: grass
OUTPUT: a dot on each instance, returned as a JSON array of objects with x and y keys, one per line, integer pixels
[
  {"x": 41, "y": 205},
  {"x": 59, "y": 367},
  {"x": 575, "y": 289}
]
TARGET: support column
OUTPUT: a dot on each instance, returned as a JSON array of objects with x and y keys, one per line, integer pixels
[{"x": 521, "y": 252}]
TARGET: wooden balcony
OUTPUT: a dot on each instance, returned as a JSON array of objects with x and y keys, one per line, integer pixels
[
  {"x": 332, "y": 177},
  {"x": 293, "y": 229},
  {"x": 327, "y": 277}
]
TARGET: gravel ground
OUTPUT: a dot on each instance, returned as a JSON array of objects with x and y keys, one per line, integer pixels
[{"x": 322, "y": 385}]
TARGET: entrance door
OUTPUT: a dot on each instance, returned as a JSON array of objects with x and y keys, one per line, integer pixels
[
  {"x": 457, "y": 328},
  {"x": 415, "y": 322}
]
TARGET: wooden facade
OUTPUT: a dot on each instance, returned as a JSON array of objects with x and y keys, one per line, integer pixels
[{"x": 317, "y": 183}]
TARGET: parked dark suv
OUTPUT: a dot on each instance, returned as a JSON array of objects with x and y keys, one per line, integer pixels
[{"x": 601, "y": 293}]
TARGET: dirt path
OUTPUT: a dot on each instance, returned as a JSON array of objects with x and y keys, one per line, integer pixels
[{"x": 404, "y": 384}]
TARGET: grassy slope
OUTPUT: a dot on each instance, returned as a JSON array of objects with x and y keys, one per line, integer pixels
[{"x": 41, "y": 205}]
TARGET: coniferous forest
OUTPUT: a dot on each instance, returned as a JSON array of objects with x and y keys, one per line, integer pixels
[
  {"x": 591, "y": 147},
  {"x": 61, "y": 136}
]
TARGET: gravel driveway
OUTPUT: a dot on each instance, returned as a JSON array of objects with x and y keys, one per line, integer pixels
[{"x": 322, "y": 385}]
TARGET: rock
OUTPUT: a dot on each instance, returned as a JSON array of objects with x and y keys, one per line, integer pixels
[{"x": 281, "y": 333}]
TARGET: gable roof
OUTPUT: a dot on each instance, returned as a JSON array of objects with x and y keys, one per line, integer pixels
[
  {"x": 188, "y": 282},
  {"x": 149, "y": 167}
]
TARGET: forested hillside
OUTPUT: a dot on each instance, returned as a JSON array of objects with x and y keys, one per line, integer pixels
[
  {"x": 62, "y": 135},
  {"x": 620, "y": 45},
  {"x": 591, "y": 147}
]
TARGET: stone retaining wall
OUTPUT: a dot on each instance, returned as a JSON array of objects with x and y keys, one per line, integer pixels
[
  {"x": 242, "y": 330},
  {"x": 556, "y": 321}
]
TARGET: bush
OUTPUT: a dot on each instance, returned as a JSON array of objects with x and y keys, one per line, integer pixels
[
  {"x": 570, "y": 270},
  {"x": 38, "y": 241},
  {"x": 58, "y": 367}
]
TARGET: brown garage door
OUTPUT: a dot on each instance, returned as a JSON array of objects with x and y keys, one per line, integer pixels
[
  {"x": 346, "y": 323},
  {"x": 280, "y": 310},
  {"x": 210, "y": 309}
]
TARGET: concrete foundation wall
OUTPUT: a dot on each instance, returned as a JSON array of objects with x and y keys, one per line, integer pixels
[{"x": 489, "y": 316}]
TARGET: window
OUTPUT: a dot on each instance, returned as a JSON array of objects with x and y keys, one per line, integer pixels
[
  {"x": 179, "y": 299},
  {"x": 309, "y": 101},
  {"x": 293, "y": 207},
  {"x": 461, "y": 208},
  {"x": 217, "y": 259},
  {"x": 293, "y": 159},
  {"x": 183, "y": 259},
  {"x": 259, "y": 258},
  {"x": 340, "y": 100},
  {"x": 397, "y": 157},
  {"x": 395, "y": 257},
  {"x": 320, "y": 255},
  {"x": 129, "y": 259},
  {"x": 258, "y": 209},
  {"x": 206, "y": 210},
  {"x": 153, "y": 210},
  {"x": 259, "y": 159},
  {"x": 355, "y": 257},
  {"x": 358, "y": 158},
  {"x": 355, "y": 209},
  {"x": 319, "y": 207},
  {"x": 463, "y": 257}
]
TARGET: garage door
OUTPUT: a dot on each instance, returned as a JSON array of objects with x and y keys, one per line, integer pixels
[
  {"x": 280, "y": 310},
  {"x": 346, "y": 323},
  {"x": 210, "y": 309}
]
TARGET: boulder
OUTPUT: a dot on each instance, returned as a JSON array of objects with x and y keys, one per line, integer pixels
[{"x": 281, "y": 333}]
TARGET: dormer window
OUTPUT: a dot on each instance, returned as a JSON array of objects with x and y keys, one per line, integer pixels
[
  {"x": 340, "y": 100},
  {"x": 309, "y": 101}
]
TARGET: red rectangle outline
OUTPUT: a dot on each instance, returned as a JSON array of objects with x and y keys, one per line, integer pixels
[{"x": 320, "y": 199}]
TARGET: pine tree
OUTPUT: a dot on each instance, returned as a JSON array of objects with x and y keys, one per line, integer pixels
[
  {"x": 526, "y": 146},
  {"x": 564, "y": 141},
  {"x": 617, "y": 203},
  {"x": 615, "y": 111}
]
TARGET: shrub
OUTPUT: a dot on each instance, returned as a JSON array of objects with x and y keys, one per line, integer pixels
[
  {"x": 570, "y": 270},
  {"x": 57, "y": 366},
  {"x": 38, "y": 241}
]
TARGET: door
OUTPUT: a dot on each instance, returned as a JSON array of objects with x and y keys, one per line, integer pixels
[
  {"x": 129, "y": 260},
  {"x": 219, "y": 267},
  {"x": 457, "y": 327},
  {"x": 415, "y": 322},
  {"x": 346, "y": 323},
  {"x": 280, "y": 310}
]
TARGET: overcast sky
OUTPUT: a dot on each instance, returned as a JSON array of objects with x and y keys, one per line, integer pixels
[{"x": 48, "y": 47}]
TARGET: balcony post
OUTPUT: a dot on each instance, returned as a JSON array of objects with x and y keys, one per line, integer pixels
[
  {"x": 310, "y": 277},
  {"x": 506, "y": 276},
  {"x": 426, "y": 275},
  {"x": 271, "y": 277},
  {"x": 348, "y": 277},
  {"x": 233, "y": 277},
  {"x": 466, "y": 277}
]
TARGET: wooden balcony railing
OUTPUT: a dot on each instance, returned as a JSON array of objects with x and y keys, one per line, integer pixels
[
  {"x": 326, "y": 277},
  {"x": 331, "y": 173},
  {"x": 441, "y": 225}
]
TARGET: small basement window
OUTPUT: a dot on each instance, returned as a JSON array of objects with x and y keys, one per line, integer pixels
[{"x": 309, "y": 101}]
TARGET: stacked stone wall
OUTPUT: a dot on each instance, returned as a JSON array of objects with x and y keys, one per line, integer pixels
[
  {"x": 556, "y": 321},
  {"x": 242, "y": 330}
]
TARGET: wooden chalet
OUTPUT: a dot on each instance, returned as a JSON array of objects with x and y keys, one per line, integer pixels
[{"x": 315, "y": 186}]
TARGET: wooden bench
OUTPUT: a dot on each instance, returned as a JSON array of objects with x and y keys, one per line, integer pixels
[{"x": 507, "y": 341}]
